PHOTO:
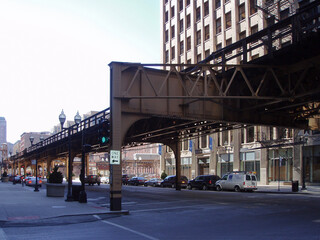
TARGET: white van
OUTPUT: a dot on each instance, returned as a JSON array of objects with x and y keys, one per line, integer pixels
[{"x": 237, "y": 181}]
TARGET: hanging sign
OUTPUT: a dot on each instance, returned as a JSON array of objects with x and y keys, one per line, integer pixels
[{"x": 114, "y": 157}]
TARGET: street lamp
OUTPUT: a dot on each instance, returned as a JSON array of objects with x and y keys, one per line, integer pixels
[
  {"x": 304, "y": 138},
  {"x": 36, "y": 189},
  {"x": 62, "y": 119}
]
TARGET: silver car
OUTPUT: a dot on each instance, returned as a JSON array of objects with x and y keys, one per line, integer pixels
[{"x": 237, "y": 181}]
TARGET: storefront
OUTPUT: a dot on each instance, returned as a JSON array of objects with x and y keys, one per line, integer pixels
[
  {"x": 225, "y": 164},
  {"x": 250, "y": 162},
  {"x": 312, "y": 158},
  {"x": 280, "y": 165}
]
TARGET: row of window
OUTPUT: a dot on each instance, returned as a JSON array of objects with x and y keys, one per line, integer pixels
[
  {"x": 248, "y": 135},
  {"x": 228, "y": 24},
  {"x": 242, "y": 35}
]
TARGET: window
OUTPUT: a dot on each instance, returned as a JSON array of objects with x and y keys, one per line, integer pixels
[
  {"x": 242, "y": 35},
  {"x": 172, "y": 32},
  {"x": 181, "y": 25},
  {"x": 180, "y": 5},
  {"x": 173, "y": 54},
  {"x": 250, "y": 134},
  {"x": 199, "y": 57},
  {"x": 206, "y": 8},
  {"x": 181, "y": 47},
  {"x": 188, "y": 21},
  {"x": 242, "y": 12},
  {"x": 166, "y": 36},
  {"x": 228, "y": 20},
  {"x": 167, "y": 56},
  {"x": 218, "y": 47},
  {"x": 188, "y": 43},
  {"x": 206, "y": 32},
  {"x": 198, "y": 14},
  {"x": 228, "y": 41},
  {"x": 172, "y": 11},
  {"x": 218, "y": 25},
  {"x": 254, "y": 29},
  {"x": 207, "y": 53},
  {"x": 203, "y": 138},
  {"x": 284, "y": 14},
  {"x": 188, "y": 3},
  {"x": 218, "y": 3},
  {"x": 199, "y": 37},
  {"x": 253, "y": 6},
  {"x": 166, "y": 17}
]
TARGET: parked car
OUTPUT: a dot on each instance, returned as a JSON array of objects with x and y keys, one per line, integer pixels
[
  {"x": 237, "y": 181},
  {"x": 92, "y": 179},
  {"x": 154, "y": 182},
  {"x": 170, "y": 181},
  {"x": 105, "y": 180},
  {"x": 203, "y": 182},
  {"x": 31, "y": 181},
  {"x": 11, "y": 178},
  {"x": 17, "y": 179},
  {"x": 136, "y": 181},
  {"x": 125, "y": 179}
]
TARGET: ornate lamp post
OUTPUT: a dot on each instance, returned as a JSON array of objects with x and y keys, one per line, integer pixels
[
  {"x": 62, "y": 119},
  {"x": 36, "y": 189}
]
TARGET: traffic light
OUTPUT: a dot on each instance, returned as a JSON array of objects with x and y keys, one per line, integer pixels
[{"x": 104, "y": 133}]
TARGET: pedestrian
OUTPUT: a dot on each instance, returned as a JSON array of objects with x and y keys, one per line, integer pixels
[{"x": 23, "y": 182}]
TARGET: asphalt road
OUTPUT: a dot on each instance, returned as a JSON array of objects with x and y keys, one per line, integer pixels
[{"x": 164, "y": 213}]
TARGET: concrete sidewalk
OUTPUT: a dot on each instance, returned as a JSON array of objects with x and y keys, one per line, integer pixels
[
  {"x": 19, "y": 203},
  {"x": 287, "y": 189}
]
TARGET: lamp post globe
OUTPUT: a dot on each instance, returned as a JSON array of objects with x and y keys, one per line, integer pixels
[
  {"x": 31, "y": 138},
  {"x": 77, "y": 118},
  {"x": 62, "y": 118}
]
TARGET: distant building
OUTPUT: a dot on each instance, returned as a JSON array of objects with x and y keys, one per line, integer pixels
[
  {"x": 25, "y": 139},
  {"x": 3, "y": 132}
]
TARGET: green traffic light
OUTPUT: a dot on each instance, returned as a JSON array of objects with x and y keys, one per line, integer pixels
[{"x": 104, "y": 140}]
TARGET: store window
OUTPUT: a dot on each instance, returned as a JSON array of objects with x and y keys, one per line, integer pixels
[
  {"x": 311, "y": 155},
  {"x": 225, "y": 164},
  {"x": 280, "y": 164},
  {"x": 250, "y": 162}
]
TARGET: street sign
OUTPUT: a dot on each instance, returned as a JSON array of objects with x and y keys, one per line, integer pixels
[
  {"x": 114, "y": 157},
  {"x": 33, "y": 162}
]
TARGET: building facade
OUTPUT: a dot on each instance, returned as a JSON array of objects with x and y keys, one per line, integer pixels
[{"x": 191, "y": 31}]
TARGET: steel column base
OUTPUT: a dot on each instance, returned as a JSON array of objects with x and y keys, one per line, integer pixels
[
  {"x": 115, "y": 204},
  {"x": 83, "y": 197}
]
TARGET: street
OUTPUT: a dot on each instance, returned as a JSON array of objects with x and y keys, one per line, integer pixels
[{"x": 164, "y": 213}]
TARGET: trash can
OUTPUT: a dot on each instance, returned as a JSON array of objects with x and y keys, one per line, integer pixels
[
  {"x": 295, "y": 186},
  {"x": 76, "y": 189}
]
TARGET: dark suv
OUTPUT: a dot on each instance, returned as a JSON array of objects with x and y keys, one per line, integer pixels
[
  {"x": 125, "y": 179},
  {"x": 92, "y": 179},
  {"x": 203, "y": 182},
  {"x": 170, "y": 181}
]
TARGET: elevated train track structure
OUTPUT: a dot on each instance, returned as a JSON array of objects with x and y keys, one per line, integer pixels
[{"x": 176, "y": 101}]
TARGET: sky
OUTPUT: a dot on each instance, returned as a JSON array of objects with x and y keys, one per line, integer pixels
[{"x": 54, "y": 55}]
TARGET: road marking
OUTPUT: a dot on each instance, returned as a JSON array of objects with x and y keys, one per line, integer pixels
[
  {"x": 96, "y": 199},
  {"x": 58, "y": 206},
  {"x": 97, "y": 217},
  {"x": 316, "y": 221},
  {"x": 206, "y": 206},
  {"x": 130, "y": 230},
  {"x": 3, "y": 236},
  {"x": 128, "y": 203}
]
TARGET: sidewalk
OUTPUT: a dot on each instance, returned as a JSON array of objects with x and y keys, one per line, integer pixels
[
  {"x": 287, "y": 189},
  {"x": 19, "y": 203}
]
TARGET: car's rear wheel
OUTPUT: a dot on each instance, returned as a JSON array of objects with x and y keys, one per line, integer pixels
[
  {"x": 218, "y": 188},
  {"x": 237, "y": 189},
  {"x": 154, "y": 185},
  {"x": 172, "y": 185},
  {"x": 189, "y": 187},
  {"x": 204, "y": 187}
]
